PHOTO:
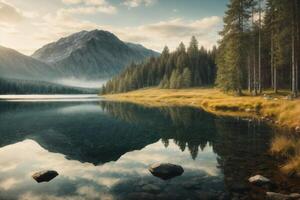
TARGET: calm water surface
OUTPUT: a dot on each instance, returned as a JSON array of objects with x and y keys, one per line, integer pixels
[{"x": 102, "y": 150}]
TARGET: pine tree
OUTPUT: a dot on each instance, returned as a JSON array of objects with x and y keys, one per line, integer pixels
[
  {"x": 233, "y": 51},
  {"x": 186, "y": 78}
]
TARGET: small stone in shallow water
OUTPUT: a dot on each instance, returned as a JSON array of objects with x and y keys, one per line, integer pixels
[
  {"x": 277, "y": 196},
  {"x": 259, "y": 180},
  {"x": 165, "y": 170},
  {"x": 44, "y": 176}
]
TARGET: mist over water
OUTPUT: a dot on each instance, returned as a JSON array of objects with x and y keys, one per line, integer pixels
[{"x": 83, "y": 83}]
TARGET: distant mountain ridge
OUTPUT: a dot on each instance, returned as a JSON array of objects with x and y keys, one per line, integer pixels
[
  {"x": 14, "y": 65},
  {"x": 91, "y": 54},
  {"x": 84, "y": 57}
]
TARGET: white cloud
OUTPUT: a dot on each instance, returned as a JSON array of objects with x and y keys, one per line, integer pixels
[
  {"x": 70, "y": 2},
  {"x": 9, "y": 14},
  {"x": 89, "y": 7},
  {"x": 172, "y": 32},
  {"x": 137, "y": 3},
  {"x": 89, "y": 10}
]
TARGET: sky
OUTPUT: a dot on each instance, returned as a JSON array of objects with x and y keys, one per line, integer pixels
[{"x": 27, "y": 25}]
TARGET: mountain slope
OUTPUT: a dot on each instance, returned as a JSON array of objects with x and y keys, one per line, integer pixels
[
  {"x": 14, "y": 65},
  {"x": 91, "y": 55}
]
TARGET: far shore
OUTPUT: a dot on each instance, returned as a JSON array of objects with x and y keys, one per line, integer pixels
[{"x": 274, "y": 108}]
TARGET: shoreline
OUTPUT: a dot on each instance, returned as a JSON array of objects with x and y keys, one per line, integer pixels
[{"x": 275, "y": 109}]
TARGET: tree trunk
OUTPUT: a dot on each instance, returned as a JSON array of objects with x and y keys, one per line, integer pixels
[
  {"x": 254, "y": 56},
  {"x": 297, "y": 48},
  {"x": 272, "y": 61},
  {"x": 249, "y": 75},
  {"x": 259, "y": 51},
  {"x": 293, "y": 54},
  {"x": 275, "y": 80}
]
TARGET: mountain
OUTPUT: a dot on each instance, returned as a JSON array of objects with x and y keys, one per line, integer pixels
[
  {"x": 91, "y": 55},
  {"x": 14, "y": 65},
  {"x": 20, "y": 74}
]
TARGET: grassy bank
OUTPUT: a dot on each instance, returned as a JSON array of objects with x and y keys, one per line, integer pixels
[{"x": 271, "y": 107}]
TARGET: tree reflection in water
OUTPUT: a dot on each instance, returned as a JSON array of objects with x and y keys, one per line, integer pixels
[{"x": 106, "y": 133}]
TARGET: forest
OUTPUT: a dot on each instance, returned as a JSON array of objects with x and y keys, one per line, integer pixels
[
  {"x": 182, "y": 68},
  {"x": 258, "y": 50},
  {"x": 13, "y": 86}
]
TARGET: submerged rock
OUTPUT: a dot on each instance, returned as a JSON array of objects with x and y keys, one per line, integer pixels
[
  {"x": 278, "y": 196},
  {"x": 165, "y": 170},
  {"x": 151, "y": 188},
  {"x": 259, "y": 180},
  {"x": 44, "y": 176}
]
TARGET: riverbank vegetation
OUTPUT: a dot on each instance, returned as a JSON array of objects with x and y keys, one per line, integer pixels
[{"x": 275, "y": 108}]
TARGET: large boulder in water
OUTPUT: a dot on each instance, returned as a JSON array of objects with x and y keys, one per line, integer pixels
[
  {"x": 259, "y": 180},
  {"x": 44, "y": 176},
  {"x": 166, "y": 170}
]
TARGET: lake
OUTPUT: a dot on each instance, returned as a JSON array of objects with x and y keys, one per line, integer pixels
[{"x": 102, "y": 150}]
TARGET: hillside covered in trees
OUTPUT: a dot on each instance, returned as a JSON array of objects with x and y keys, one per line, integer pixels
[
  {"x": 182, "y": 68},
  {"x": 260, "y": 46},
  {"x": 14, "y": 86}
]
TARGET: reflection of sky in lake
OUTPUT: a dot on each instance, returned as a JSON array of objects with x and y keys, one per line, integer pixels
[
  {"x": 102, "y": 150},
  {"x": 84, "y": 180}
]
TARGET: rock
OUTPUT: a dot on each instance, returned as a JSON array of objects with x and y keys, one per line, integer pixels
[
  {"x": 140, "y": 195},
  {"x": 151, "y": 188},
  {"x": 289, "y": 97},
  {"x": 165, "y": 170},
  {"x": 259, "y": 180},
  {"x": 44, "y": 176},
  {"x": 277, "y": 196},
  {"x": 248, "y": 110},
  {"x": 294, "y": 196},
  {"x": 267, "y": 97}
]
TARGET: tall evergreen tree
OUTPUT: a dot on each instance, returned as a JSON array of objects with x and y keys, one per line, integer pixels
[{"x": 233, "y": 50}]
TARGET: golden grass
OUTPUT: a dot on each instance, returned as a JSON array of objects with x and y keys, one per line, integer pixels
[
  {"x": 289, "y": 148},
  {"x": 283, "y": 112}
]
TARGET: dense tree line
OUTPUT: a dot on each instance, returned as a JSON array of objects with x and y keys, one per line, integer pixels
[
  {"x": 182, "y": 68},
  {"x": 260, "y": 46},
  {"x": 13, "y": 86}
]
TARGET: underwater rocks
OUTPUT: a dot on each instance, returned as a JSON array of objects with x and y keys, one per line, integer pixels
[
  {"x": 44, "y": 176},
  {"x": 166, "y": 171},
  {"x": 278, "y": 196}
]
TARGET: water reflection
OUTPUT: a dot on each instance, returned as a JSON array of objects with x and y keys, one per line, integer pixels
[{"x": 102, "y": 151}]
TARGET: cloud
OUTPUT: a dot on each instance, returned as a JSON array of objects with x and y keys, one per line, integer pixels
[
  {"x": 171, "y": 32},
  {"x": 9, "y": 14},
  {"x": 89, "y": 7},
  {"x": 90, "y": 10},
  {"x": 70, "y": 2},
  {"x": 179, "y": 27},
  {"x": 137, "y": 3}
]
